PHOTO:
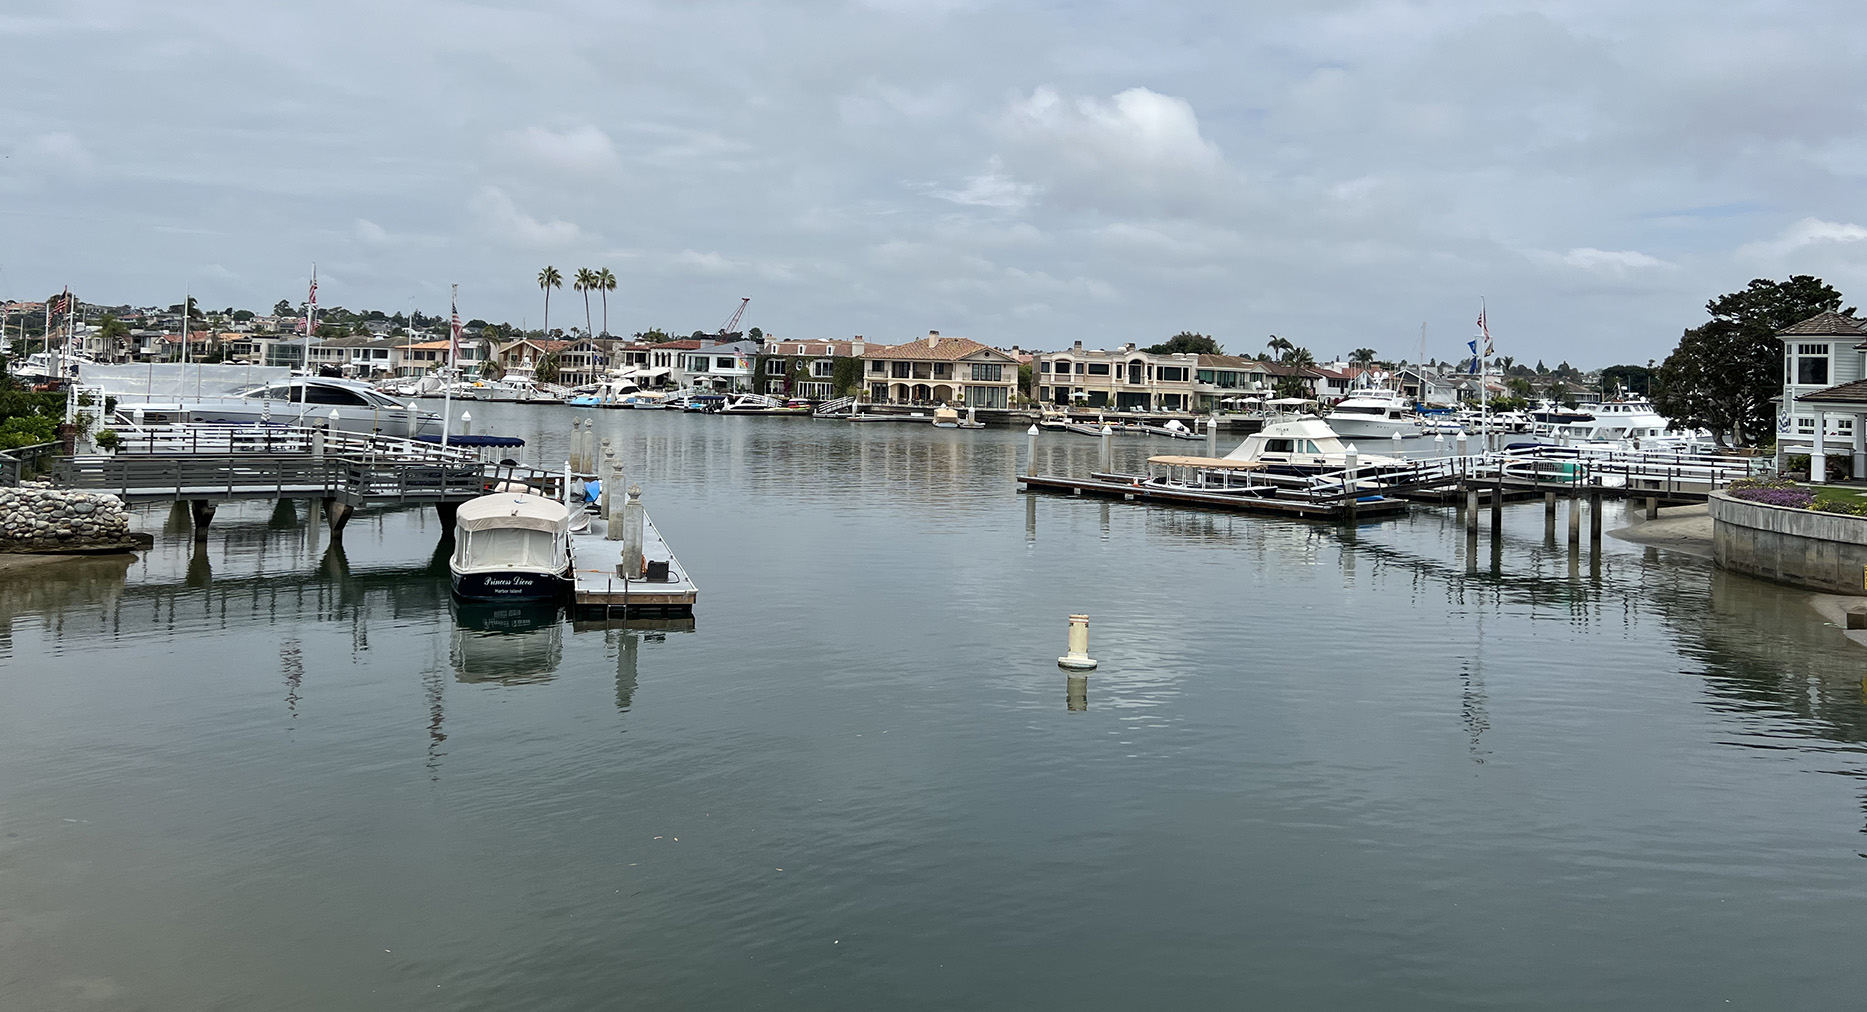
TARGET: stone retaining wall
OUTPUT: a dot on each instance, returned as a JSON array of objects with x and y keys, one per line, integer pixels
[
  {"x": 1806, "y": 548},
  {"x": 39, "y": 518}
]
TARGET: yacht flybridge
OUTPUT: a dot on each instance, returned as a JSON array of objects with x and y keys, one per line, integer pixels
[
  {"x": 1374, "y": 413},
  {"x": 1303, "y": 446},
  {"x": 1627, "y": 424}
]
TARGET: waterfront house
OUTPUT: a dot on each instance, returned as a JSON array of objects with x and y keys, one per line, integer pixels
[
  {"x": 723, "y": 367},
  {"x": 1823, "y": 408},
  {"x": 807, "y": 368},
  {"x": 1126, "y": 379},
  {"x": 939, "y": 370},
  {"x": 1228, "y": 381}
]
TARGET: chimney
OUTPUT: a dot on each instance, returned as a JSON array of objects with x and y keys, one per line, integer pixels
[
  {"x": 857, "y": 347},
  {"x": 933, "y": 338},
  {"x": 1078, "y": 346}
]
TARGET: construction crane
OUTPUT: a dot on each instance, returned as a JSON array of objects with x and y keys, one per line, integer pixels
[{"x": 732, "y": 324}]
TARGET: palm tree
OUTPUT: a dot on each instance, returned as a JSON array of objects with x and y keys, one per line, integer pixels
[
  {"x": 1279, "y": 345},
  {"x": 586, "y": 280},
  {"x": 1362, "y": 357},
  {"x": 606, "y": 283},
  {"x": 548, "y": 279}
]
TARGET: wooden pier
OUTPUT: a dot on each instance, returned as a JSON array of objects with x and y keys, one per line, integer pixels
[
  {"x": 600, "y": 589},
  {"x": 1262, "y": 499}
]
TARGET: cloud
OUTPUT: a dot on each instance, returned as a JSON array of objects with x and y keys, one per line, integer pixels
[
  {"x": 584, "y": 149},
  {"x": 704, "y": 263},
  {"x": 369, "y": 233},
  {"x": 993, "y": 188},
  {"x": 1137, "y": 149},
  {"x": 59, "y": 151},
  {"x": 501, "y": 217},
  {"x": 1807, "y": 232},
  {"x": 1614, "y": 263}
]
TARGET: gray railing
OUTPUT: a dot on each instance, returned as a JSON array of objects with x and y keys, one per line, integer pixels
[{"x": 19, "y": 463}]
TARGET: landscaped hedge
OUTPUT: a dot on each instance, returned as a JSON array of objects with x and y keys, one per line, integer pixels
[{"x": 1786, "y": 493}]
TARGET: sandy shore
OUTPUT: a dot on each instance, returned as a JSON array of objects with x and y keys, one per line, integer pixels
[{"x": 1679, "y": 528}]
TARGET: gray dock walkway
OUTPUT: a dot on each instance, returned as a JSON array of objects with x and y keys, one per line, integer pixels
[{"x": 599, "y": 589}]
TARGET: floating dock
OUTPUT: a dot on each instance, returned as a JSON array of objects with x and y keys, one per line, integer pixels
[
  {"x": 1263, "y": 499},
  {"x": 601, "y": 591}
]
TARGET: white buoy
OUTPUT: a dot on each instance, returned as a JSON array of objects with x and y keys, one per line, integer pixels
[
  {"x": 1078, "y": 658},
  {"x": 466, "y": 423},
  {"x": 1108, "y": 447},
  {"x": 1030, "y": 449}
]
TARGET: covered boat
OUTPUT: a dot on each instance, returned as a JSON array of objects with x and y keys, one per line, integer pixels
[
  {"x": 511, "y": 546},
  {"x": 1303, "y": 445}
]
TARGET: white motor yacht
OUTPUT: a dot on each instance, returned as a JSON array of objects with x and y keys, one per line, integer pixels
[
  {"x": 1303, "y": 445},
  {"x": 1630, "y": 424},
  {"x": 300, "y": 400},
  {"x": 1374, "y": 413}
]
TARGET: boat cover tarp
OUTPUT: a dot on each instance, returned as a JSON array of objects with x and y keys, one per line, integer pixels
[
  {"x": 174, "y": 381},
  {"x": 516, "y": 511}
]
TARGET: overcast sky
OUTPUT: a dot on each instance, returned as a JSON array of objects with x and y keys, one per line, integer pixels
[{"x": 1019, "y": 173}]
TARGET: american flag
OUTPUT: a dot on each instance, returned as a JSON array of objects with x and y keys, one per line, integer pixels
[
  {"x": 454, "y": 328},
  {"x": 1484, "y": 330},
  {"x": 62, "y": 303}
]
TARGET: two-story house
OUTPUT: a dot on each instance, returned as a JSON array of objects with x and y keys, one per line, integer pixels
[
  {"x": 1228, "y": 381},
  {"x": 1126, "y": 379},
  {"x": 789, "y": 368},
  {"x": 1823, "y": 409},
  {"x": 939, "y": 370}
]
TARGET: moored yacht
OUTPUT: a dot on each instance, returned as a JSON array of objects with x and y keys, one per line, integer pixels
[
  {"x": 1374, "y": 413},
  {"x": 1630, "y": 424},
  {"x": 1303, "y": 446},
  {"x": 299, "y": 400}
]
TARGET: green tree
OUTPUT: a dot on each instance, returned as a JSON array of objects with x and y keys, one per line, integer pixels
[
  {"x": 1186, "y": 342},
  {"x": 112, "y": 331},
  {"x": 283, "y": 307},
  {"x": 547, "y": 371},
  {"x": 548, "y": 279},
  {"x": 756, "y": 334},
  {"x": 1279, "y": 345},
  {"x": 606, "y": 283},
  {"x": 586, "y": 283},
  {"x": 1362, "y": 358},
  {"x": 655, "y": 336},
  {"x": 1725, "y": 372},
  {"x": 1633, "y": 379}
]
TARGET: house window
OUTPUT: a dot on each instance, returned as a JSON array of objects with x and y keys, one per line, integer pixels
[
  {"x": 722, "y": 363},
  {"x": 1098, "y": 368},
  {"x": 1043, "y": 367},
  {"x": 988, "y": 397},
  {"x": 941, "y": 370},
  {"x": 823, "y": 368},
  {"x": 776, "y": 367},
  {"x": 1805, "y": 425},
  {"x": 901, "y": 370},
  {"x": 1079, "y": 368},
  {"x": 1812, "y": 364},
  {"x": 1172, "y": 374},
  {"x": 878, "y": 367},
  {"x": 988, "y": 372}
]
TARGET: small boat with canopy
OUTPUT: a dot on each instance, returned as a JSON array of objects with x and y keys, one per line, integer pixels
[{"x": 511, "y": 546}]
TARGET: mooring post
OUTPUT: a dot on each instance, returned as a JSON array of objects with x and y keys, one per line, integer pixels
[
  {"x": 1108, "y": 448},
  {"x": 337, "y": 514},
  {"x": 1653, "y": 507},
  {"x": 1078, "y": 659},
  {"x": 1575, "y": 519},
  {"x": 202, "y": 513},
  {"x": 1352, "y": 459},
  {"x": 632, "y": 562},
  {"x": 1594, "y": 522},
  {"x": 1471, "y": 509},
  {"x": 1212, "y": 434},
  {"x": 466, "y": 423},
  {"x": 1549, "y": 515},
  {"x": 1030, "y": 449},
  {"x": 1497, "y": 501}
]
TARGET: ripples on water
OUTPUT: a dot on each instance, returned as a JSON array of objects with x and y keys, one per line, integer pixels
[{"x": 1318, "y": 767}]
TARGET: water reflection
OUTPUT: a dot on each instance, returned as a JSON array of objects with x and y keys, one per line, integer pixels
[{"x": 510, "y": 644}]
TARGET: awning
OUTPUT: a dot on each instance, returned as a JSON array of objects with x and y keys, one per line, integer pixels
[{"x": 513, "y": 511}]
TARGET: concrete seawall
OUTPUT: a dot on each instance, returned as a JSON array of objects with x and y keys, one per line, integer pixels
[{"x": 1804, "y": 548}]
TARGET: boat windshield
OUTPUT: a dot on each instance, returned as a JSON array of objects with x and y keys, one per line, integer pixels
[
  {"x": 506, "y": 548},
  {"x": 1360, "y": 409}
]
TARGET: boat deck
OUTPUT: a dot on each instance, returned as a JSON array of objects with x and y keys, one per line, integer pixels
[
  {"x": 598, "y": 589},
  {"x": 1267, "y": 500}
]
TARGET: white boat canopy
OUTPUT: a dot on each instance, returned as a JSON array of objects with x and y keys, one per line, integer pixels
[{"x": 510, "y": 511}]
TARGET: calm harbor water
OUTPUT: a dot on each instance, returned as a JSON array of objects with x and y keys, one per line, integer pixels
[{"x": 1319, "y": 768}]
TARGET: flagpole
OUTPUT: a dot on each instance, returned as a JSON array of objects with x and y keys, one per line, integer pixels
[
  {"x": 311, "y": 317},
  {"x": 453, "y": 365}
]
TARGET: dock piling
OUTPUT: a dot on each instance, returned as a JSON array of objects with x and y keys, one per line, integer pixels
[
  {"x": 1575, "y": 519},
  {"x": 1653, "y": 508},
  {"x": 1030, "y": 449},
  {"x": 202, "y": 513},
  {"x": 1078, "y": 659},
  {"x": 1471, "y": 509},
  {"x": 1497, "y": 502},
  {"x": 1594, "y": 522},
  {"x": 1108, "y": 448},
  {"x": 632, "y": 533},
  {"x": 1549, "y": 515}
]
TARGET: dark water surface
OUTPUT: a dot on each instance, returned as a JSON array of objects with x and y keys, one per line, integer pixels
[{"x": 1318, "y": 769}]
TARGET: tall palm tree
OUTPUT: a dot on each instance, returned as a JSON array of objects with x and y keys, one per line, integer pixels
[
  {"x": 586, "y": 280},
  {"x": 1279, "y": 345},
  {"x": 606, "y": 283},
  {"x": 548, "y": 279},
  {"x": 1362, "y": 357}
]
